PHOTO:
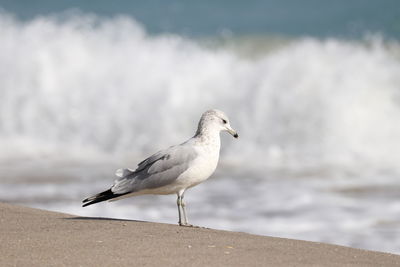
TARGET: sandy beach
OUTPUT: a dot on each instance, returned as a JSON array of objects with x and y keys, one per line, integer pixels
[{"x": 32, "y": 237}]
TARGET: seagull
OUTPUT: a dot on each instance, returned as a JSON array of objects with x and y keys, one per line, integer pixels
[{"x": 175, "y": 169}]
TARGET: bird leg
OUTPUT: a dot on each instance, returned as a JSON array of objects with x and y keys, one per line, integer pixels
[
  {"x": 179, "y": 203},
  {"x": 183, "y": 204},
  {"x": 183, "y": 221}
]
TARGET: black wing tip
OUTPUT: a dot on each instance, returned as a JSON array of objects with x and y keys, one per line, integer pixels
[
  {"x": 103, "y": 196},
  {"x": 85, "y": 200},
  {"x": 87, "y": 204}
]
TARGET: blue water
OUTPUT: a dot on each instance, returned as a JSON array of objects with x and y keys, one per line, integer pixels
[
  {"x": 341, "y": 18},
  {"x": 317, "y": 110}
]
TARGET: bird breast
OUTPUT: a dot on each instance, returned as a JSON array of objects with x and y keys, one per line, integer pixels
[{"x": 203, "y": 166}]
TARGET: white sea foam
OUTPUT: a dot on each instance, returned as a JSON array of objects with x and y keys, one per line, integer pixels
[{"x": 89, "y": 83}]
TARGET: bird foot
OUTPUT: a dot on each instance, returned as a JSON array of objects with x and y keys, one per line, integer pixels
[{"x": 188, "y": 225}]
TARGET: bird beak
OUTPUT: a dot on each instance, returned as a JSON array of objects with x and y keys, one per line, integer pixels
[{"x": 232, "y": 132}]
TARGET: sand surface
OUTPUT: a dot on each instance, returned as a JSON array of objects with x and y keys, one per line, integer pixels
[{"x": 32, "y": 237}]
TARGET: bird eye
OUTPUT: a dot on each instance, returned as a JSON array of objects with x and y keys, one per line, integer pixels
[{"x": 224, "y": 121}]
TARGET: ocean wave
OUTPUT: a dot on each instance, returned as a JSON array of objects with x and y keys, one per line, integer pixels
[{"x": 90, "y": 86}]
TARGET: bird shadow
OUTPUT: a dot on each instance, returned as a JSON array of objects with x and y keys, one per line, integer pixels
[{"x": 80, "y": 218}]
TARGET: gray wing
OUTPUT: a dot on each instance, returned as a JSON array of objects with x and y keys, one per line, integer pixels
[{"x": 158, "y": 170}]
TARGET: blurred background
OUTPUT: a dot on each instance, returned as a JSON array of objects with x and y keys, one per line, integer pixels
[{"x": 312, "y": 87}]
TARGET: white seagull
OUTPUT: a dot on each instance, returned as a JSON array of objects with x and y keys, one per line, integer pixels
[{"x": 175, "y": 169}]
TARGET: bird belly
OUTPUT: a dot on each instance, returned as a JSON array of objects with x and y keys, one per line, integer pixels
[{"x": 172, "y": 188}]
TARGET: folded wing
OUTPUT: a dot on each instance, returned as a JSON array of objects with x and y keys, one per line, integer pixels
[{"x": 158, "y": 170}]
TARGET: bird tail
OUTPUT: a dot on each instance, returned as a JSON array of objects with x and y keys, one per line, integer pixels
[{"x": 103, "y": 196}]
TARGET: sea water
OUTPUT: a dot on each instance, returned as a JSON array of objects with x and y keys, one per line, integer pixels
[{"x": 318, "y": 118}]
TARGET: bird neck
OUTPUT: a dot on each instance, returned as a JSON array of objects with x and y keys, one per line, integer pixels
[{"x": 208, "y": 136}]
